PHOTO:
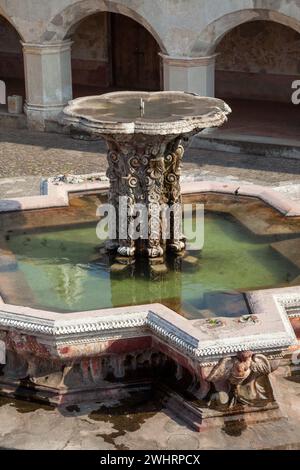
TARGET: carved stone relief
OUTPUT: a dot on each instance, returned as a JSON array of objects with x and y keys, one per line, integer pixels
[
  {"x": 238, "y": 379},
  {"x": 146, "y": 170}
]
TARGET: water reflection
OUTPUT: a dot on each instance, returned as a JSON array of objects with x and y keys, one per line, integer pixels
[{"x": 65, "y": 271}]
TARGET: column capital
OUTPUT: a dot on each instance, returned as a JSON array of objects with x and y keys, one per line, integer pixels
[
  {"x": 188, "y": 61},
  {"x": 188, "y": 73},
  {"x": 47, "y": 48}
]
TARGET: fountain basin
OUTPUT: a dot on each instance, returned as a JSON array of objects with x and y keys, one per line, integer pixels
[
  {"x": 62, "y": 268},
  {"x": 170, "y": 113},
  {"x": 71, "y": 357}
]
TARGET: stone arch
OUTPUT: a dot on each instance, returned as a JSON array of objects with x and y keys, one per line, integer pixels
[
  {"x": 112, "y": 51},
  {"x": 62, "y": 24},
  {"x": 253, "y": 71},
  {"x": 257, "y": 60},
  {"x": 12, "y": 23},
  {"x": 213, "y": 33}
]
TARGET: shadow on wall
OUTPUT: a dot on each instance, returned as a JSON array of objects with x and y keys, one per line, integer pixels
[{"x": 258, "y": 60}]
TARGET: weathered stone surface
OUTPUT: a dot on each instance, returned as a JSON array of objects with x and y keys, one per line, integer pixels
[
  {"x": 190, "y": 262},
  {"x": 144, "y": 133},
  {"x": 187, "y": 39},
  {"x": 152, "y": 428},
  {"x": 189, "y": 31},
  {"x": 290, "y": 249},
  {"x": 159, "y": 269},
  {"x": 119, "y": 268}
]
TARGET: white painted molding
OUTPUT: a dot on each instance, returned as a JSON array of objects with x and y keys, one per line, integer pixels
[{"x": 160, "y": 322}]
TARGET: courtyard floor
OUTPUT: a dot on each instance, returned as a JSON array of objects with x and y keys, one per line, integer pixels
[
  {"x": 262, "y": 118},
  {"x": 26, "y": 156},
  {"x": 146, "y": 427}
]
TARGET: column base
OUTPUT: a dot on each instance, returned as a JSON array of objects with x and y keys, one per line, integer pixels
[
  {"x": 38, "y": 115},
  {"x": 127, "y": 251},
  {"x": 152, "y": 252}
]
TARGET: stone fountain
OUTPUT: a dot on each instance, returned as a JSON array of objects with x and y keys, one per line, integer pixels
[
  {"x": 209, "y": 369},
  {"x": 145, "y": 134}
]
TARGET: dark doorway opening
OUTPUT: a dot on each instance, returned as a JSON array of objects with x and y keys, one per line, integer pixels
[{"x": 113, "y": 52}]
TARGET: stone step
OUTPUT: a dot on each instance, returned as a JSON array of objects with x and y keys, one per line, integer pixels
[
  {"x": 290, "y": 249},
  {"x": 12, "y": 121},
  {"x": 248, "y": 144}
]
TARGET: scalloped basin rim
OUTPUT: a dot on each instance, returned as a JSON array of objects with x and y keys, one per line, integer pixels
[{"x": 165, "y": 113}]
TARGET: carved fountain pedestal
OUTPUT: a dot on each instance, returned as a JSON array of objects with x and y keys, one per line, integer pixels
[
  {"x": 145, "y": 134},
  {"x": 146, "y": 171}
]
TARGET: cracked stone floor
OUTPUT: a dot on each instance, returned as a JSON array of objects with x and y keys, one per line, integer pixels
[{"x": 146, "y": 426}]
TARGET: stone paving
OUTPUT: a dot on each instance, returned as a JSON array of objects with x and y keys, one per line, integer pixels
[
  {"x": 25, "y": 157},
  {"x": 31, "y": 426}
]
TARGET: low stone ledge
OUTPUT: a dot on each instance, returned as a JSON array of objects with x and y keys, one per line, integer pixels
[
  {"x": 271, "y": 333},
  {"x": 57, "y": 195}
]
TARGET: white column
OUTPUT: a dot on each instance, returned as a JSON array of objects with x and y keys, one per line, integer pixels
[
  {"x": 48, "y": 78},
  {"x": 192, "y": 74}
]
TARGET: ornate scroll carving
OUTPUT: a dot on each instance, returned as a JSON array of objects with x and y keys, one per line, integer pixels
[
  {"x": 172, "y": 190},
  {"x": 145, "y": 170}
]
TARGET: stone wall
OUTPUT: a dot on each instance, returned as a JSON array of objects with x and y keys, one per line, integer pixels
[
  {"x": 188, "y": 33},
  {"x": 258, "y": 60},
  {"x": 181, "y": 27},
  {"x": 260, "y": 47},
  {"x": 90, "y": 58}
]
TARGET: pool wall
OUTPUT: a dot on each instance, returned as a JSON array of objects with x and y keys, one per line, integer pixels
[{"x": 89, "y": 355}]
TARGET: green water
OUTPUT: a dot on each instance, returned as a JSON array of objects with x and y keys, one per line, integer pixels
[{"x": 64, "y": 274}]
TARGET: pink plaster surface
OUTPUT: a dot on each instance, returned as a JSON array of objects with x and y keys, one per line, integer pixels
[
  {"x": 58, "y": 195},
  {"x": 262, "y": 304},
  {"x": 279, "y": 202}
]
